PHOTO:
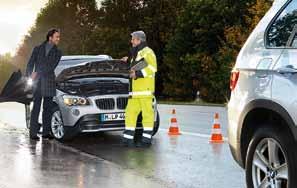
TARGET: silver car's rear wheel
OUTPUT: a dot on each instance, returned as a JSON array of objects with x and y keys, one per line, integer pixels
[
  {"x": 269, "y": 168},
  {"x": 57, "y": 125},
  {"x": 271, "y": 158}
]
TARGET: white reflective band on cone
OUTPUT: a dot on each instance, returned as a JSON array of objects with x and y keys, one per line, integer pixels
[
  {"x": 216, "y": 131},
  {"x": 144, "y": 73},
  {"x": 152, "y": 68},
  {"x": 174, "y": 125},
  {"x": 135, "y": 93},
  {"x": 128, "y": 136},
  {"x": 216, "y": 121},
  {"x": 147, "y": 135}
]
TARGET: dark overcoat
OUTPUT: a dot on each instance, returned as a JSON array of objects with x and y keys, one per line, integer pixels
[{"x": 45, "y": 67}]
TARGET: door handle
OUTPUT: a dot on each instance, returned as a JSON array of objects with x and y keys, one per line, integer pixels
[
  {"x": 289, "y": 69},
  {"x": 262, "y": 76}
]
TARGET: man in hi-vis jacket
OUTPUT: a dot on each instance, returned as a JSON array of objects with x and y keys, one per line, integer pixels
[{"x": 142, "y": 88}]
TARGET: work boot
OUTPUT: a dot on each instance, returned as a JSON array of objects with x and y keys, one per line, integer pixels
[
  {"x": 142, "y": 145},
  {"x": 128, "y": 143}
]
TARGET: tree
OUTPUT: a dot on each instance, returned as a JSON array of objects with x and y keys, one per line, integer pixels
[
  {"x": 118, "y": 18},
  {"x": 6, "y": 68},
  {"x": 195, "y": 41},
  {"x": 200, "y": 54},
  {"x": 75, "y": 19}
]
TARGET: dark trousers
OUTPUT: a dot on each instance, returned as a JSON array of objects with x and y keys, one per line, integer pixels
[{"x": 46, "y": 114}]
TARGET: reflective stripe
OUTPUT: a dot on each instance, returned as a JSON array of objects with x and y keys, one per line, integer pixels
[
  {"x": 148, "y": 128},
  {"x": 135, "y": 93},
  {"x": 128, "y": 136},
  {"x": 130, "y": 128},
  {"x": 147, "y": 135},
  {"x": 144, "y": 73},
  {"x": 138, "y": 58},
  {"x": 152, "y": 68}
]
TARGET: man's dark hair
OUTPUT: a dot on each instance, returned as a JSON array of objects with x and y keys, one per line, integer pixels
[{"x": 51, "y": 33}]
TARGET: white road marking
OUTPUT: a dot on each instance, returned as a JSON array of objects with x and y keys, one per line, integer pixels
[{"x": 194, "y": 134}]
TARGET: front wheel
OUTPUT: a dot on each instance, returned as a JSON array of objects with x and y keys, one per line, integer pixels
[
  {"x": 271, "y": 160},
  {"x": 59, "y": 131}
]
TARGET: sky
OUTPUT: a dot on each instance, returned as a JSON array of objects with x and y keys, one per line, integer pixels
[{"x": 16, "y": 18}]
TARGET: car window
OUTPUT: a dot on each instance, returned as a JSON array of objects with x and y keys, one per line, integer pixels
[{"x": 281, "y": 29}]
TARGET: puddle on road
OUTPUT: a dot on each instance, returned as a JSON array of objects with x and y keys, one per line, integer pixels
[
  {"x": 6, "y": 128},
  {"x": 217, "y": 149}
]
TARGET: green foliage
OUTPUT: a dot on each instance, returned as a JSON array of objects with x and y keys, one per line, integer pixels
[
  {"x": 6, "y": 69},
  {"x": 75, "y": 19},
  {"x": 196, "y": 41},
  {"x": 207, "y": 40}
]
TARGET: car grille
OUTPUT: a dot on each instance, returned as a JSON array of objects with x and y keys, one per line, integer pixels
[
  {"x": 105, "y": 104},
  {"x": 122, "y": 102}
]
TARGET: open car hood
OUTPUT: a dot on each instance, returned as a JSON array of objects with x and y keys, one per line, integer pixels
[
  {"x": 105, "y": 68},
  {"x": 17, "y": 90}
]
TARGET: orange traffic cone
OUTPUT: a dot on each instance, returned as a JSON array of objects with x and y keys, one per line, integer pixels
[
  {"x": 173, "y": 129},
  {"x": 216, "y": 134}
]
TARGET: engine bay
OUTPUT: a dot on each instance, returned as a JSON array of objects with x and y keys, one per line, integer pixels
[{"x": 95, "y": 86}]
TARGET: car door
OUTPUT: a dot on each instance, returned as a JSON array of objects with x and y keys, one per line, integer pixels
[
  {"x": 283, "y": 35},
  {"x": 15, "y": 88}
]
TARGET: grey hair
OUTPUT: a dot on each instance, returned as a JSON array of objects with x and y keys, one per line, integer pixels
[{"x": 140, "y": 35}]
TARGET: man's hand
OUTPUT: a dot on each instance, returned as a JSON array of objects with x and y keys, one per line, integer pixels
[
  {"x": 125, "y": 59},
  {"x": 132, "y": 74},
  {"x": 34, "y": 75}
]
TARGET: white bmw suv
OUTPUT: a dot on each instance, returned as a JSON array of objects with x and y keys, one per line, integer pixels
[{"x": 262, "y": 110}]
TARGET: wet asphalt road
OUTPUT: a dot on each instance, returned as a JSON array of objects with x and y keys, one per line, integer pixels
[{"x": 97, "y": 160}]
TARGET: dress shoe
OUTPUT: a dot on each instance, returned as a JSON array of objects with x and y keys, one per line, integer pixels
[
  {"x": 35, "y": 137},
  {"x": 48, "y": 136}
]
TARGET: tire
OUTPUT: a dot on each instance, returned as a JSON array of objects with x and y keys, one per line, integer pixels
[
  {"x": 271, "y": 169},
  {"x": 59, "y": 131},
  {"x": 157, "y": 125}
]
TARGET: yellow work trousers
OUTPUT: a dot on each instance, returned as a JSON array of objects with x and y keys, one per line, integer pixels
[{"x": 134, "y": 107}]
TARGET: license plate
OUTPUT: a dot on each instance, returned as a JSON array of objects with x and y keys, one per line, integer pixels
[{"x": 113, "y": 117}]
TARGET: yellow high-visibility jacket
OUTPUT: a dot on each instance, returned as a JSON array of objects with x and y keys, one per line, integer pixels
[{"x": 144, "y": 86}]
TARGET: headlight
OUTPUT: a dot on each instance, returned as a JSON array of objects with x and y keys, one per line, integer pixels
[{"x": 75, "y": 101}]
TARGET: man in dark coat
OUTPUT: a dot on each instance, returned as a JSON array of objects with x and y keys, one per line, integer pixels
[{"x": 40, "y": 69}]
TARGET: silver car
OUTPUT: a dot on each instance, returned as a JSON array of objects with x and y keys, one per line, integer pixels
[
  {"x": 262, "y": 110},
  {"x": 92, "y": 94}
]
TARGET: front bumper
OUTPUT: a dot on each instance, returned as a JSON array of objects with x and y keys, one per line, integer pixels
[
  {"x": 93, "y": 123},
  {"x": 73, "y": 114},
  {"x": 88, "y": 118}
]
